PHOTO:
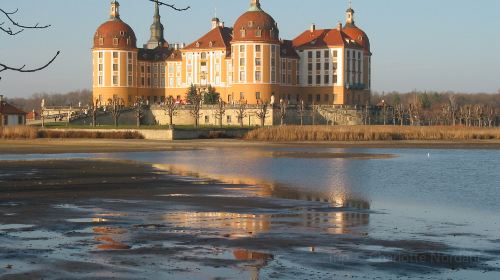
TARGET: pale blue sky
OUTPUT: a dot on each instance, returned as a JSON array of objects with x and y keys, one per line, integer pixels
[{"x": 425, "y": 44}]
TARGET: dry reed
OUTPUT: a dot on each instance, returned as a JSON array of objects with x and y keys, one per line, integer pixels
[
  {"x": 29, "y": 132},
  {"x": 370, "y": 133}
]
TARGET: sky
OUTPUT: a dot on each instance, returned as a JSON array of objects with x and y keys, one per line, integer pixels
[{"x": 417, "y": 45}]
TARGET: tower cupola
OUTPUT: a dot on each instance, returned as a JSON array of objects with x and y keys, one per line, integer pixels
[
  {"x": 349, "y": 16},
  {"x": 115, "y": 10}
]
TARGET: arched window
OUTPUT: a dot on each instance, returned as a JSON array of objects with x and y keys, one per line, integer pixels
[
  {"x": 115, "y": 41},
  {"x": 203, "y": 55}
]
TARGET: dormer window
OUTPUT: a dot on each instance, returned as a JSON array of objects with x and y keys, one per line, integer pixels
[
  {"x": 115, "y": 41},
  {"x": 203, "y": 55},
  {"x": 211, "y": 44},
  {"x": 197, "y": 44},
  {"x": 258, "y": 33},
  {"x": 122, "y": 33},
  {"x": 128, "y": 41},
  {"x": 243, "y": 32},
  {"x": 250, "y": 24},
  {"x": 101, "y": 41}
]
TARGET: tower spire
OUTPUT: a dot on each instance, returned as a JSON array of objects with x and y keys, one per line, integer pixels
[
  {"x": 115, "y": 10},
  {"x": 157, "y": 38}
]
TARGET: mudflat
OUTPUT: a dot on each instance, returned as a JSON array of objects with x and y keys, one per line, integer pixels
[{"x": 108, "y": 219}]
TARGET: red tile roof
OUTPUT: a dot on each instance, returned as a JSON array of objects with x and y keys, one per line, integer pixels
[
  {"x": 322, "y": 38},
  {"x": 7, "y": 109},
  {"x": 217, "y": 38}
]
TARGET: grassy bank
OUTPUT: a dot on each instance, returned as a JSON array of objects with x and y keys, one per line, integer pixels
[
  {"x": 29, "y": 132},
  {"x": 370, "y": 133}
]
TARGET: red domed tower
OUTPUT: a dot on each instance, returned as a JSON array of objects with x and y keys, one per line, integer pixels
[
  {"x": 114, "y": 59},
  {"x": 255, "y": 55},
  {"x": 360, "y": 37}
]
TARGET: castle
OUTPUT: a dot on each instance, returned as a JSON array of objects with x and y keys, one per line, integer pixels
[{"x": 246, "y": 62}]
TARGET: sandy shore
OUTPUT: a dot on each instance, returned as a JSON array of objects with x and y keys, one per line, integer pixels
[
  {"x": 100, "y": 219},
  {"x": 50, "y": 146}
]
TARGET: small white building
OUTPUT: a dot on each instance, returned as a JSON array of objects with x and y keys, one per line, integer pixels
[{"x": 10, "y": 115}]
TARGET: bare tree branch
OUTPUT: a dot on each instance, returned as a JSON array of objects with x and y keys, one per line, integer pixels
[
  {"x": 22, "y": 69},
  {"x": 172, "y": 6},
  {"x": 21, "y": 27}
]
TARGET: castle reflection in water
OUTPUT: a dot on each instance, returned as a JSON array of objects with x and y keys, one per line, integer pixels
[{"x": 340, "y": 213}]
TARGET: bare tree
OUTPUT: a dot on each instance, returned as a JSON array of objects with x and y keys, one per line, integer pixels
[
  {"x": 384, "y": 112},
  {"x": 139, "y": 110},
  {"x": 283, "y": 110},
  {"x": 13, "y": 30},
  {"x": 195, "y": 108},
  {"x": 301, "y": 110},
  {"x": 241, "y": 112},
  {"x": 220, "y": 111},
  {"x": 116, "y": 106},
  {"x": 490, "y": 116},
  {"x": 315, "y": 109},
  {"x": 170, "y": 108},
  {"x": 399, "y": 113},
  {"x": 94, "y": 109},
  {"x": 262, "y": 112}
]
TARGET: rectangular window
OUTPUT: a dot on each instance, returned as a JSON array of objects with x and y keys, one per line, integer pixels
[
  {"x": 115, "y": 67},
  {"x": 129, "y": 55},
  {"x": 242, "y": 95},
  {"x": 207, "y": 119},
  {"x": 242, "y": 76},
  {"x": 242, "y": 48},
  {"x": 309, "y": 80},
  {"x": 318, "y": 79},
  {"x": 257, "y": 95},
  {"x": 258, "y": 61},
  {"x": 258, "y": 76},
  {"x": 326, "y": 66},
  {"x": 130, "y": 68},
  {"x": 318, "y": 98},
  {"x": 318, "y": 54},
  {"x": 129, "y": 81},
  {"x": 143, "y": 81},
  {"x": 318, "y": 66},
  {"x": 242, "y": 61},
  {"x": 257, "y": 48},
  {"x": 335, "y": 54},
  {"x": 115, "y": 80},
  {"x": 115, "y": 54},
  {"x": 309, "y": 55},
  {"x": 327, "y": 79},
  {"x": 309, "y": 67},
  {"x": 229, "y": 119},
  {"x": 100, "y": 80},
  {"x": 326, "y": 54},
  {"x": 100, "y": 54}
]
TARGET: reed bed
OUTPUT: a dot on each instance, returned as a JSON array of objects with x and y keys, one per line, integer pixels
[
  {"x": 370, "y": 133},
  {"x": 29, "y": 132}
]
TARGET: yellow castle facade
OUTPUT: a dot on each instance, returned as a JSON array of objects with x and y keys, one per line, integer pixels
[{"x": 247, "y": 62}]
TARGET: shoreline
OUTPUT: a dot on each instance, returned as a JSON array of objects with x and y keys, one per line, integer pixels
[{"x": 59, "y": 146}]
